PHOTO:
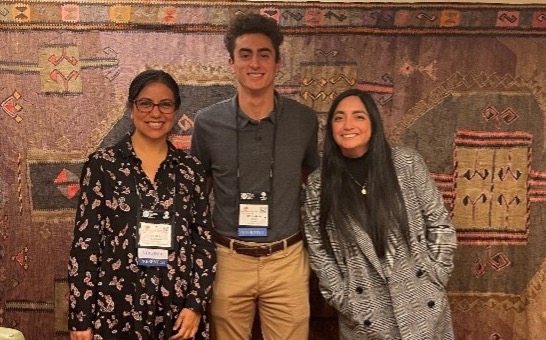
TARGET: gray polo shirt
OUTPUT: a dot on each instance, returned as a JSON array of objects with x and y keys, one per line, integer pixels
[{"x": 214, "y": 142}]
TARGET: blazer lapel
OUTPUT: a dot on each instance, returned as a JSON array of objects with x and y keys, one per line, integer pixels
[{"x": 365, "y": 244}]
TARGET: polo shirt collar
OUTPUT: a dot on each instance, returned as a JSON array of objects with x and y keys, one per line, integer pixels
[{"x": 244, "y": 120}]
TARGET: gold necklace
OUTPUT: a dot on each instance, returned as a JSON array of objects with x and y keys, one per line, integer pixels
[{"x": 362, "y": 187}]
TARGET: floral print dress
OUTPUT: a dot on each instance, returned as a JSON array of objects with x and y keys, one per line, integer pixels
[{"x": 109, "y": 292}]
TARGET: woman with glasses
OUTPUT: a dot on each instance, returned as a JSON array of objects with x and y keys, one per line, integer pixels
[{"x": 142, "y": 261}]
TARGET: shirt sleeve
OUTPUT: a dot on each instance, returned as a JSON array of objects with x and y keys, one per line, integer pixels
[
  {"x": 197, "y": 147},
  {"x": 85, "y": 253},
  {"x": 440, "y": 233},
  {"x": 312, "y": 159},
  {"x": 203, "y": 248}
]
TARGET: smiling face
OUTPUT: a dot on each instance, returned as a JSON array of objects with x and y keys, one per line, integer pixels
[
  {"x": 254, "y": 63},
  {"x": 352, "y": 127},
  {"x": 155, "y": 124}
]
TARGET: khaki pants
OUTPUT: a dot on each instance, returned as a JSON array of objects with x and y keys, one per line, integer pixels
[{"x": 277, "y": 284}]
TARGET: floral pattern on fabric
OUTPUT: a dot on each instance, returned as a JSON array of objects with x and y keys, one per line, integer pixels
[{"x": 109, "y": 291}]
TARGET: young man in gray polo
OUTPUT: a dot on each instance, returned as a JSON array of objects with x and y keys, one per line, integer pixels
[{"x": 257, "y": 148}]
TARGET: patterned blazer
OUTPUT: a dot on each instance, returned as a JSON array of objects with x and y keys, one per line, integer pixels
[{"x": 403, "y": 295}]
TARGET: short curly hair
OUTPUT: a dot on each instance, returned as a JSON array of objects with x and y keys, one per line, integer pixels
[{"x": 253, "y": 23}]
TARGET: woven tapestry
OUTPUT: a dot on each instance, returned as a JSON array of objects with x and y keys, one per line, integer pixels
[{"x": 464, "y": 84}]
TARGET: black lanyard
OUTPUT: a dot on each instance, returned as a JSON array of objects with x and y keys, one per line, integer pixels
[{"x": 271, "y": 165}]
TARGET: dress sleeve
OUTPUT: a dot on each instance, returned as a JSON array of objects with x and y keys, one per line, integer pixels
[
  {"x": 203, "y": 248},
  {"x": 323, "y": 262},
  {"x": 440, "y": 233},
  {"x": 85, "y": 252}
]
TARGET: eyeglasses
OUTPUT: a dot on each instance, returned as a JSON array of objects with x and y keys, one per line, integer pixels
[{"x": 146, "y": 106}]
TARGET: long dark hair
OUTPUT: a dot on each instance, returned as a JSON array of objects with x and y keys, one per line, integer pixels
[{"x": 383, "y": 207}]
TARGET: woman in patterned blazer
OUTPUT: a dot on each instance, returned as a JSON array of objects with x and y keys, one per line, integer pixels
[{"x": 379, "y": 237}]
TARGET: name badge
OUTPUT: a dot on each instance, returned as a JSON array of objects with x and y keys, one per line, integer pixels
[
  {"x": 152, "y": 257},
  {"x": 254, "y": 215},
  {"x": 155, "y": 235}
]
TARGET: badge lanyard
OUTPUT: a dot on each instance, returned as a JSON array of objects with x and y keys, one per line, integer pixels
[
  {"x": 155, "y": 232},
  {"x": 254, "y": 214}
]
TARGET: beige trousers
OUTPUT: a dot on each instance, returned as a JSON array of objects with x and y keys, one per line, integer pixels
[{"x": 277, "y": 284}]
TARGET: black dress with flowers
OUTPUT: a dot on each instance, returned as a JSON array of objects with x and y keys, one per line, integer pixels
[{"x": 109, "y": 292}]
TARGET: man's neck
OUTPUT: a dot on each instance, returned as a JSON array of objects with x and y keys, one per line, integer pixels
[{"x": 257, "y": 106}]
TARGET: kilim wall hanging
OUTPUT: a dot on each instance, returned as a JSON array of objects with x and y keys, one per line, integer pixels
[{"x": 464, "y": 84}]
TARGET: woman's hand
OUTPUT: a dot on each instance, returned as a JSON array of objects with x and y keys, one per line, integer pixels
[
  {"x": 187, "y": 324},
  {"x": 81, "y": 335}
]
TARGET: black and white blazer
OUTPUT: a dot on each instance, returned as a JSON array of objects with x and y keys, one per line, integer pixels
[{"x": 403, "y": 295}]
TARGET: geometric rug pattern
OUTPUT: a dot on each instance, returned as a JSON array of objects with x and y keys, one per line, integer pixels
[{"x": 464, "y": 84}]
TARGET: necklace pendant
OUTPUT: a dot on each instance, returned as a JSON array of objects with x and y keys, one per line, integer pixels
[{"x": 363, "y": 190}]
